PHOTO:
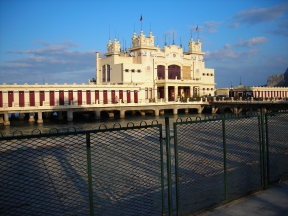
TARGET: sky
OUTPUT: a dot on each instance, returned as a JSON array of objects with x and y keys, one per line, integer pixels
[{"x": 52, "y": 41}]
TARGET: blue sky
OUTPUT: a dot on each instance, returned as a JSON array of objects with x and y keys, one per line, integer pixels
[{"x": 55, "y": 41}]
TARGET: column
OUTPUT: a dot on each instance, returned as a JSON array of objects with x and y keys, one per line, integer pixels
[
  {"x": 122, "y": 114},
  {"x": 69, "y": 115},
  {"x": 175, "y": 111},
  {"x": 37, "y": 97},
  {"x": 60, "y": 115},
  {"x": 97, "y": 114},
  {"x": 166, "y": 93},
  {"x": 6, "y": 119},
  {"x": 21, "y": 116},
  {"x": 31, "y": 117},
  {"x": 176, "y": 96},
  {"x": 39, "y": 120},
  {"x": 156, "y": 111}
]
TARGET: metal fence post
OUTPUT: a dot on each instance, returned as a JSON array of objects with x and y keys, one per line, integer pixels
[
  {"x": 264, "y": 150},
  {"x": 89, "y": 169},
  {"x": 225, "y": 158},
  {"x": 169, "y": 177}
]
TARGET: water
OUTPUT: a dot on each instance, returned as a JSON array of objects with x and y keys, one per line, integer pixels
[{"x": 17, "y": 126}]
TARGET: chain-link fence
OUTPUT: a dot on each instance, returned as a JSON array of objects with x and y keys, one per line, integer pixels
[
  {"x": 142, "y": 170},
  {"x": 115, "y": 171},
  {"x": 277, "y": 144}
]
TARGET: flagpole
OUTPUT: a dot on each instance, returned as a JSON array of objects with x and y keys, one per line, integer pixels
[{"x": 141, "y": 21}]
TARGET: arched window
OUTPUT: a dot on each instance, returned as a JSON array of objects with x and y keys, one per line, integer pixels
[
  {"x": 161, "y": 72},
  {"x": 173, "y": 72}
]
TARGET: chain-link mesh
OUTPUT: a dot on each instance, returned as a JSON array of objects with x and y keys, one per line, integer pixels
[
  {"x": 200, "y": 169},
  {"x": 243, "y": 156},
  {"x": 215, "y": 160},
  {"x": 277, "y": 146},
  {"x": 126, "y": 169},
  {"x": 48, "y": 174},
  {"x": 44, "y": 176}
]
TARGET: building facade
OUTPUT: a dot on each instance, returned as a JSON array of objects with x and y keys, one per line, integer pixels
[{"x": 168, "y": 73}]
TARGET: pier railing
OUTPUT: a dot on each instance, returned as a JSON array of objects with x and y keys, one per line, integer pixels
[{"x": 148, "y": 169}]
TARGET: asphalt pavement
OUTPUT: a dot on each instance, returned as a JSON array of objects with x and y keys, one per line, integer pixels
[{"x": 270, "y": 202}]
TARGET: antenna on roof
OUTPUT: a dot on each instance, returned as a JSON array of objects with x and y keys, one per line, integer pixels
[
  {"x": 240, "y": 81},
  {"x": 180, "y": 43},
  {"x": 150, "y": 26},
  {"x": 173, "y": 38}
]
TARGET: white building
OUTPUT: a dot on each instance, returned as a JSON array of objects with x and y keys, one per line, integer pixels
[{"x": 167, "y": 73}]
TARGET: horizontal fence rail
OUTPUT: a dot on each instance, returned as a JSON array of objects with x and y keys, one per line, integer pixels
[{"x": 142, "y": 170}]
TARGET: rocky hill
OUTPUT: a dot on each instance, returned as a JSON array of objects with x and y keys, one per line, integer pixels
[{"x": 279, "y": 80}]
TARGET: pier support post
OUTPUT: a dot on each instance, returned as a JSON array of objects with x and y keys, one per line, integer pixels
[
  {"x": 122, "y": 114},
  {"x": 162, "y": 112},
  {"x": 156, "y": 111},
  {"x": 6, "y": 119},
  {"x": 175, "y": 111},
  {"x": 111, "y": 114},
  {"x": 39, "y": 120},
  {"x": 186, "y": 111},
  {"x": 60, "y": 115},
  {"x": 1, "y": 119},
  {"x": 214, "y": 110},
  {"x": 69, "y": 115},
  {"x": 31, "y": 117},
  {"x": 200, "y": 110},
  {"x": 21, "y": 116},
  {"x": 97, "y": 114},
  {"x": 142, "y": 113},
  {"x": 235, "y": 110}
]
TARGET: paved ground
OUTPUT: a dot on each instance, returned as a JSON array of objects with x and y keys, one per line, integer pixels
[{"x": 270, "y": 202}]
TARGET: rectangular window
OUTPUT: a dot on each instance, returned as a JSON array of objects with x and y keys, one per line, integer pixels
[
  {"x": 32, "y": 98},
  {"x": 88, "y": 97},
  {"x": 10, "y": 98},
  {"x": 52, "y": 98},
  {"x": 108, "y": 73},
  {"x": 96, "y": 96},
  {"x": 21, "y": 99},
  {"x": 42, "y": 97},
  {"x": 79, "y": 97},
  {"x": 61, "y": 97},
  {"x": 104, "y": 73},
  {"x": 70, "y": 97}
]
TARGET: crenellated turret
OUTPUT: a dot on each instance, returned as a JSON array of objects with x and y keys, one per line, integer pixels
[
  {"x": 113, "y": 48},
  {"x": 195, "y": 47},
  {"x": 141, "y": 41}
]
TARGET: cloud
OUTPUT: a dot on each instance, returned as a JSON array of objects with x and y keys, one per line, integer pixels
[
  {"x": 49, "y": 61},
  {"x": 256, "y": 15},
  {"x": 282, "y": 29},
  {"x": 227, "y": 53},
  {"x": 211, "y": 26},
  {"x": 251, "y": 42}
]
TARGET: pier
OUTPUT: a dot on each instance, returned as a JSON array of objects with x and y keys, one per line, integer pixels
[
  {"x": 237, "y": 106},
  {"x": 143, "y": 106}
]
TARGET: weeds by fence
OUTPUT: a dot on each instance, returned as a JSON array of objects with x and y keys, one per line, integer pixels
[{"x": 142, "y": 170}]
